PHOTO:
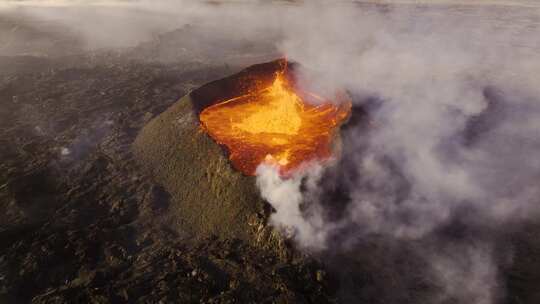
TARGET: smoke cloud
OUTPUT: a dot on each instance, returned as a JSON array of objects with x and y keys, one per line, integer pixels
[
  {"x": 457, "y": 112},
  {"x": 453, "y": 102},
  {"x": 446, "y": 150}
]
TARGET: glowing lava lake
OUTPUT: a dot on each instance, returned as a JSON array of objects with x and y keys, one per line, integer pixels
[{"x": 276, "y": 124}]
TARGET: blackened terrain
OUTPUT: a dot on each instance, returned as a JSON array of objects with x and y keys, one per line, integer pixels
[{"x": 81, "y": 222}]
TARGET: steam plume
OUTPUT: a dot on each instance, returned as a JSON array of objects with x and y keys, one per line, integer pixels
[{"x": 450, "y": 150}]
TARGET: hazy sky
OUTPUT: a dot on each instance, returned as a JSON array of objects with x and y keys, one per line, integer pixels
[{"x": 123, "y": 2}]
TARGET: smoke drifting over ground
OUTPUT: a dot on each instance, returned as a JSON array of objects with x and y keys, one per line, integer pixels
[
  {"x": 450, "y": 153},
  {"x": 445, "y": 156}
]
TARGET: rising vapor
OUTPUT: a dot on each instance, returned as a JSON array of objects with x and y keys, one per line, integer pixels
[{"x": 445, "y": 159}]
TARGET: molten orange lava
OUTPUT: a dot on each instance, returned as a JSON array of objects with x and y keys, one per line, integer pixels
[{"x": 275, "y": 125}]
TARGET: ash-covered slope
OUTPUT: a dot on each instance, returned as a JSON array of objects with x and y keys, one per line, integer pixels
[{"x": 208, "y": 196}]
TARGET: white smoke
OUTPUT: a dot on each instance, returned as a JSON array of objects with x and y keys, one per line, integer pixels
[
  {"x": 435, "y": 73},
  {"x": 306, "y": 226},
  {"x": 467, "y": 274},
  {"x": 454, "y": 138}
]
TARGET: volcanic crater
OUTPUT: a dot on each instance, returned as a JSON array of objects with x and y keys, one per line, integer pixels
[{"x": 214, "y": 138}]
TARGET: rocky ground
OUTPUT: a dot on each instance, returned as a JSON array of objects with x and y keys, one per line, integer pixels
[{"x": 81, "y": 221}]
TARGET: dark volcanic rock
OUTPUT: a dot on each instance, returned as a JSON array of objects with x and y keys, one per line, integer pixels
[
  {"x": 82, "y": 223},
  {"x": 209, "y": 197}
]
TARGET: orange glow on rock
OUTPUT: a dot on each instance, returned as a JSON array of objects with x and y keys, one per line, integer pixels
[{"x": 275, "y": 125}]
